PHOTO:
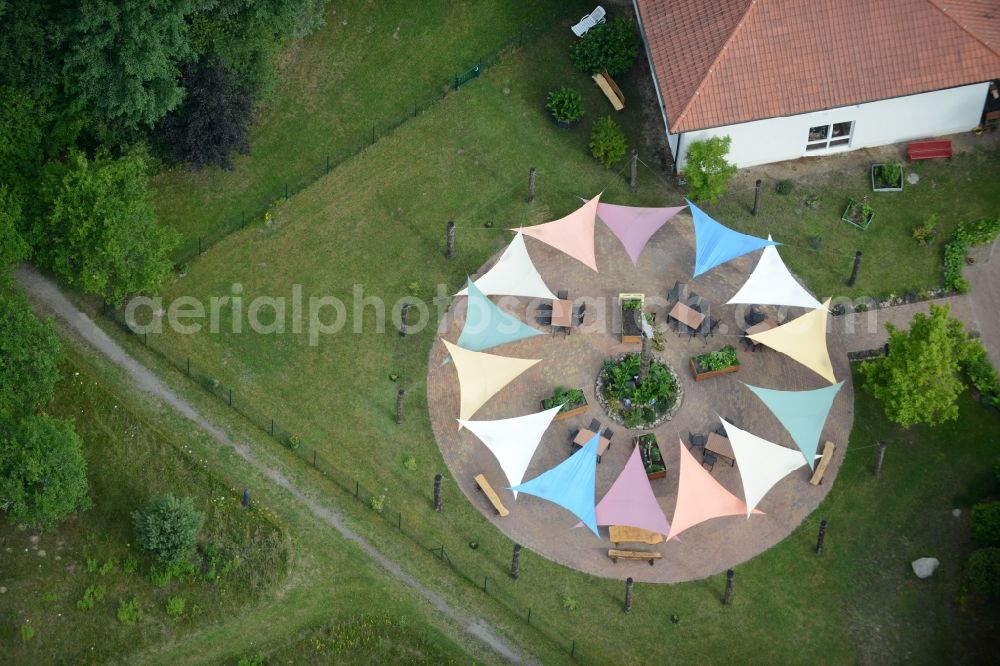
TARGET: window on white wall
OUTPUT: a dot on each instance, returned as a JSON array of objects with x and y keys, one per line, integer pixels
[{"x": 822, "y": 137}]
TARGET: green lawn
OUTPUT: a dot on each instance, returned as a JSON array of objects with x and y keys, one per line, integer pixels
[
  {"x": 376, "y": 223},
  {"x": 371, "y": 64}
]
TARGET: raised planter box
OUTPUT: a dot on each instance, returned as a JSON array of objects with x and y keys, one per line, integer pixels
[
  {"x": 641, "y": 441},
  {"x": 631, "y": 332},
  {"x": 708, "y": 374},
  {"x": 879, "y": 186},
  {"x": 855, "y": 214},
  {"x": 582, "y": 409}
]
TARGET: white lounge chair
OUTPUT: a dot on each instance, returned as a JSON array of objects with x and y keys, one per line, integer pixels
[{"x": 595, "y": 17}]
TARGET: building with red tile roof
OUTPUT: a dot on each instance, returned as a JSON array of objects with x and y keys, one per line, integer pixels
[{"x": 790, "y": 78}]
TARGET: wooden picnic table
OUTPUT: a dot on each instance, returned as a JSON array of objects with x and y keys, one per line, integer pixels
[
  {"x": 562, "y": 313},
  {"x": 687, "y": 316},
  {"x": 721, "y": 447},
  {"x": 765, "y": 325},
  {"x": 586, "y": 435}
]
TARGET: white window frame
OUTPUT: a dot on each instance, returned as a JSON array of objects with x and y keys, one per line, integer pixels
[{"x": 830, "y": 142}]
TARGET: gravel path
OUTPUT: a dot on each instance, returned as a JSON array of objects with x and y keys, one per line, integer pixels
[{"x": 45, "y": 291}]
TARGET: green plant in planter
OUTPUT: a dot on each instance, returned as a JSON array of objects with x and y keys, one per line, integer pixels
[
  {"x": 892, "y": 174},
  {"x": 637, "y": 403},
  {"x": 631, "y": 304},
  {"x": 565, "y": 105},
  {"x": 567, "y": 397},
  {"x": 717, "y": 360},
  {"x": 607, "y": 142}
]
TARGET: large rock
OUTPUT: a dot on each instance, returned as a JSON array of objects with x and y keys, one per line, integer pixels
[{"x": 925, "y": 566}]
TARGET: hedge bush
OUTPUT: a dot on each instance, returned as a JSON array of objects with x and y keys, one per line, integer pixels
[
  {"x": 984, "y": 572},
  {"x": 968, "y": 234},
  {"x": 985, "y": 524},
  {"x": 607, "y": 141},
  {"x": 612, "y": 46}
]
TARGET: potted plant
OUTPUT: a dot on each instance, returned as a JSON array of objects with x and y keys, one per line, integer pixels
[
  {"x": 887, "y": 177},
  {"x": 631, "y": 306},
  {"x": 565, "y": 106},
  {"x": 573, "y": 402},
  {"x": 859, "y": 213},
  {"x": 652, "y": 459},
  {"x": 714, "y": 363}
]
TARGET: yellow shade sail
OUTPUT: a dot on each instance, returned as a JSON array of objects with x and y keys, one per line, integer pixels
[
  {"x": 803, "y": 340},
  {"x": 482, "y": 375}
]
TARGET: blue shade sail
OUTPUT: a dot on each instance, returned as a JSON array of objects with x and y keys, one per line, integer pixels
[
  {"x": 486, "y": 325},
  {"x": 716, "y": 244},
  {"x": 803, "y": 413}
]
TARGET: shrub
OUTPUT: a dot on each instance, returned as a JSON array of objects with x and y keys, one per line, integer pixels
[
  {"x": 129, "y": 611},
  {"x": 784, "y": 187},
  {"x": 923, "y": 233},
  {"x": 91, "y": 596},
  {"x": 985, "y": 524},
  {"x": 108, "y": 567},
  {"x": 168, "y": 528},
  {"x": 569, "y": 603},
  {"x": 984, "y": 571},
  {"x": 377, "y": 503},
  {"x": 27, "y": 632},
  {"x": 161, "y": 574},
  {"x": 175, "y": 606},
  {"x": 607, "y": 141},
  {"x": 567, "y": 397},
  {"x": 981, "y": 373},
  {"x": 706, "y": 168},
  {"x": 980, "y": 232},
  {"x": 891, "y": 173},
  {"x": 410, "y": 464},
  {"x": 717, "y": 360},
  {"x": 565, "y": 105},
  {"x": 612, "y": 46},
  {"x": 131, "y": 565}
]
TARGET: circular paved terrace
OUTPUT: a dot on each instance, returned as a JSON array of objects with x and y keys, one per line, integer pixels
[{"x": 574, "y": 361}]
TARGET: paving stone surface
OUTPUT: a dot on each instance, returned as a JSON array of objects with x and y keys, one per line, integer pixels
[{"x": 575, "y": 361}]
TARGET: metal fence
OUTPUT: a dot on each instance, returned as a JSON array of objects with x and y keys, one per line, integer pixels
[
  {"x": 291, "y": 184},
  {"x": 452, "y": 556}
]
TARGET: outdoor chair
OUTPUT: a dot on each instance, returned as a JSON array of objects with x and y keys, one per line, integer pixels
[
  {"x": 708, "y": 460},
  {"x": 580, "y": 309},
  {"x": 696, "y": 440},
  {"x": 562, "y": 294},
  {"x": 753, "y": 316},
  {"x": 693, "y": 298},
  {"x": 608, "y": 435},
  {"x": 595, "y": 426},
  {"x": 720, "y": 430},
  {"x": 544, "y": 307},
  {"x": 578, "y": 319},
  {"x": 595, "y": 17},
  {"x": 543, "y": 319},
  {"x": 678, "y": 292}
]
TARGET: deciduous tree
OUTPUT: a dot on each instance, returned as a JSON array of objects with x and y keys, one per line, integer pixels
[
  {"x": 706, "y": 168},
  {"x": 30, "y": 354}
]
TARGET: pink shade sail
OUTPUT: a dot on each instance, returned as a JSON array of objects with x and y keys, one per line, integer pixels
[
  {"x": 634, "y": 226},
  {"x": 700, "y": 497},
  {"x": 630, "y": 500},
  {"x": 573, "y": 234}
]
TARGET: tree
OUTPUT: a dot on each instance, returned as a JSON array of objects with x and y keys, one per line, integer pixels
[
  {"x": 20, "y": 139},
  {"x": 101, "y": 232},
  {"x": 607, "y": 142},
  {"x": 612, "y": 46},
  {"x": 984, "y": 572},
  {"x": 43, "y": 476},
  {"x": 919, "y": 380},
  {"x": 168, "y": 528},
  {"x": 214, "y": 120},
  {"x": 124, "y": 56},
  {"x": 706, "y": 168},
  {"x": 30, "y": 354},
  {"x": 13, "y": 248}
]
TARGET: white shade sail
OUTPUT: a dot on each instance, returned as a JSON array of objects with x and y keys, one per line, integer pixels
[
  {"x": 771, "y": 283},
  {"x": 513, "y": 441},
  {"x": 761, "y": 463},
  {"x": 514, "y": 274}
]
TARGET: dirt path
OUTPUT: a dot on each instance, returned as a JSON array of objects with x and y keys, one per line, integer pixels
[{"x": 45, "y": 291}]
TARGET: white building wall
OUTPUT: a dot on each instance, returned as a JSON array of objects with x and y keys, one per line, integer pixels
[{"x": 875, "y": 124}]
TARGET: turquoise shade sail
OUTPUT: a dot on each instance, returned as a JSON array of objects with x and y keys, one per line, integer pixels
[
  {"x": 570, "y": 484},
  {"x": 716, "y": 244},
  {"x": 486, "y": 325},
  {"x": 803, "y": 413}
]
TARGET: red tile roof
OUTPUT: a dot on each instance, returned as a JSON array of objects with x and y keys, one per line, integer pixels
[{"x": 720, "y": 62}]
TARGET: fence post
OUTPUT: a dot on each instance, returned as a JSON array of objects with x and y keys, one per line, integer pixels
[
  {"x": 628, "y": 594},
  {"x": 286, "y": 190},
  {"x": 373, "y": 134},
  {"x": 404, "y": 317},
  {"x": 314, "y": 458},
  {"x": 515, "y": 563},
  {"x": 572, "y": 649},
  {"x": 531, "y": 184},
  {"x": 437, "y": 492},
  {"x": 633, "y": 177},
  {"x": 243, "y": 219},
  {"x": 441, "y": 556},
  {"x": 449, "y": 250},
  {"x": 879, "y": 459},
  {"x": 728, "y": 598},
  {"x": 756, "y": 198},
  {"x": 855, "y": 269},
  {"x": 246, "y": 497},
  {"x": 230, "y": 397},
  {"x": 456, "y": 82},
  {"x": 484, "y": 583},
  {"x": 529, "y": 615},
  {"x": 399, "y": 405},
  {"x": 821, "y": 538},
  {"x": 272, "y": 427},
  {"x": 399, "y": 520},
  {"x": 188, "y": 366},
  {"x": 199, "y": 246},
  {"x": 357, "y": 489},
  {"x": 328, "y": 165}
]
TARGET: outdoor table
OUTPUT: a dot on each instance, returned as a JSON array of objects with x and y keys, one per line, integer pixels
[
  {"x": 686, "y": 316},
  {"x": 765, "y": 325},
  {"x": 586, "y": 435},
  {"x": 721, "y": 447},
  {"x": 562, "y": 313}
]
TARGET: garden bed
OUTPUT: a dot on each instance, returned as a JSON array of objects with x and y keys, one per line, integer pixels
[
  {"x": 573, "y": 402},
  {"x": 631, "y": 308},
  {"x": 887, "y": 177},
  {"x": 858, "y": 213},
  {"x": 635, "y": 405},
  {"x": 712, "y": 364},
  {"x": 652, "y": 458}
]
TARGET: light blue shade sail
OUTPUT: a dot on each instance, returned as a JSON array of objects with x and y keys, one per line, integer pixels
[
  {"x": 716, "y": 244},
  {"x": 803, "y": 413},
  {"x": 486, "y": 325},
  {"x": 570, "y": 484}
]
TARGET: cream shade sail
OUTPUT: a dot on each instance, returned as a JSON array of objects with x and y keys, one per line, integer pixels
[
  {"x": 804, "y": 340},
  {"x": 482, "y": 375}
]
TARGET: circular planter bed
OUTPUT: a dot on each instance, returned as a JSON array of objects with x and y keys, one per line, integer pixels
[{"x": 635, "y": 405}]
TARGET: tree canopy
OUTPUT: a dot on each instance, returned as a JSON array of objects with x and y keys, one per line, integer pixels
[
  {"x": 13, "y": 247},
  {"x": 706, "y": 168},
  {"x": 919, "y": 379},
  {"x": 43, "y": 475},
  {"x": 168, "y": 528},
  {"x": 30, "y": 354}
]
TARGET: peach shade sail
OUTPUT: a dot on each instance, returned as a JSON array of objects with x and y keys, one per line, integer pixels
[{"x": 573, "y": 234}]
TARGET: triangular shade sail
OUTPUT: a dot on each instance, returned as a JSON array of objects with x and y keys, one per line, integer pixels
[
  {"x": 486, "y": 325},
  {"x": 634, "y": 226},
  {"x": 716, "y": 244},
  {"x": 804, "y": 340},
  {"x": 761, "y": 463},
  {"x": 513, "y": 275},
  {"x": 513, "y": 441},
  {"x": 700, "y": 497},
  {"x": 481, "y": 375},
  {"x": 803, "y": 413},
  {"x": 570, "y": 484},
  {"x": 630, "y": 500},
  {"x": 573, "y": 234},
  {"x": 771, "y": 283}
]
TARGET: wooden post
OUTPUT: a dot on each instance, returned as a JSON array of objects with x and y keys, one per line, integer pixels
[
  {"x": 854, "y": 271},
  {"x": 404, "y": 316},
  {"x": 328, "y": 165},
  {"x": 645, "y": 358},
  {"x": 532, "y": 174},
  {"x": 628, "y": 594},
  {"x": 756, "y": 198},
  {"x": 449, "y": 251},
  {"x": 437, "y": 492},
  {"x": 879, "y": 459},
  {"x": 399, "y": 406},
  {"x": 515, "y": 563},
  {"x": 633, "y": 176},
  {"x": 246, "y": 497},
  {"x": 727, "y": 600},
  {"x": 821, "y": 538}
]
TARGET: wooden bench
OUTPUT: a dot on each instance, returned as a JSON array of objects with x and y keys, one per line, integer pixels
[
  {"x": 616, "y": 554},
  {"x": 824, "y": 462},
  {"x": 628, "y": 534},
  {"x": 487, "y": 489},
  {"x": 610, "y": 89},
  {"x": 929, "y": 150}
]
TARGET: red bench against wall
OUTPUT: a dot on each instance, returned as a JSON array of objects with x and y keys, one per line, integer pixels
[{"x": 929, "y": 150}]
